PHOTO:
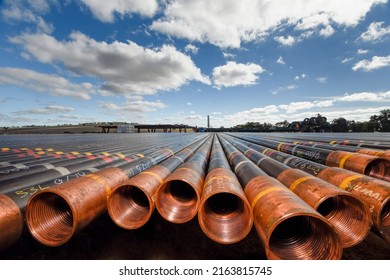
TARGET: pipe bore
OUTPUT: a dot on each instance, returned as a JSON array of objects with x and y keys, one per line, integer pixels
[
  {"x": 177, "y": 201},
  {"x": 385, "y": 221},
  {"x": 379, "y": 169},
  {"x": 302, "y": 237},
  {"x": 129, "y": 207},
  {"x": 349, "y": 216},
  {"x": 225, "y": 218},
  {"x": 50, "y": 219}
]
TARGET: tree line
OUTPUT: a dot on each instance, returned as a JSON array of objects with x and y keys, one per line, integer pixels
[{"x": 319, "y": 123}]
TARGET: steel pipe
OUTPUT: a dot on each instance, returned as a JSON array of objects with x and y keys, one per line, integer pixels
[
  {"x": 375, "y": 193},
  {"x": 224, "y": 214},
  {"x": 287, "y": 226},
  {"x": 131, "y": 205},
  {"x": 349, "y": 216},
  {"x": 55, "y": 214},
  {"x": 177, "y": 199}
]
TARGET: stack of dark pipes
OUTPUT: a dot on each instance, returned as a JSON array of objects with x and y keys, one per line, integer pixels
[{"x": 306, "y": 200}]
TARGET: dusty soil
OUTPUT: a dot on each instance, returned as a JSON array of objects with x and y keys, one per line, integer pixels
[{"x": 160, "y": 239}]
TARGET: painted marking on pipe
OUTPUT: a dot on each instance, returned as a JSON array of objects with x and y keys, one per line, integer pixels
[
  {"x": 20, "y": 166},
  {"x": 140, "y": 155},
  {"x": 293, "y": 150},
  {"x": 178, "y": 158},
  {"x": 64, "y": 171},
  {"x": 344, "y": 159},
  {"x": 279, "y": 146},
  {"x": 260, "y": 160},
  {"x": 332, "y": 142},
  {"x": 24, "y": 149},
  {"x": 296, "y": 142},
  {"x": 93, "y": 170},
  {"x": 287, "y": 160},
  {"x": 241, "y": 162},
  {"x": 262, "y": 193},
  {"x": 344, "y": 184},
  {"x": 5, "y": 149},
  {"x": 88, "y": 153},
  {"x": 38, "y": 149},
  {"x": 5, "y": 163},
  {"x": 106, "y": 154},
  {"x": 59, "y": 153},
  {"x": 191, "y": 152},
  {"x": 265, "y": 151},
  {"x": 75, "y": 153},
  {"x": 298, "y": 181},
  {"x": 160, "y": 180},
  {"x": 216, "y": 178},
  {"x": 50, "y": 150},
  {"x": 122, "y": 156}
]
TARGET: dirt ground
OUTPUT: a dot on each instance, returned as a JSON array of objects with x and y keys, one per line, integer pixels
[{"x": 160, "y": 239}]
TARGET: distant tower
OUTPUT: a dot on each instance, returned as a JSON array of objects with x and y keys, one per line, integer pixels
[{"x": 208, "y": 121}]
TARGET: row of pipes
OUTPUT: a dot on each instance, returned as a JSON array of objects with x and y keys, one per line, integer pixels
[{"x": 306, "y": 199}]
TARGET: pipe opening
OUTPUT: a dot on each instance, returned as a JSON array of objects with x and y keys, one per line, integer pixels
[
  {"x": 181, "y": 191},
  {"x": 327, "y": 207},
  {"x": 225, "y": 218},
  {"x": 129, "y": 207},
  {"x": 50, "y": 219},
  {"x": 385, "y": 221},
  {"x": 379, "y": 169},
  {"x": 224, "y": 204},
  {"x": 349, "y": 216},
  {"x": 177, "y": 201},
  {"x": 304, "y": 237}
]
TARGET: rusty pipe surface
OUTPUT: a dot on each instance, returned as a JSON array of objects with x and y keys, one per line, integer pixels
[
  {"x": 349, "y": 216},
  {"x": 177, "y": 199},
  {"x": 224, "y": 214},
  {"x": 54, "y": 215},
  {"x": 373, "y": 192},
  {"x": 287, "y": 226},
  {"x": 373, "y": 166},
  {"x": 131, "y": 205},
  {"x": 11, "y": 222}
]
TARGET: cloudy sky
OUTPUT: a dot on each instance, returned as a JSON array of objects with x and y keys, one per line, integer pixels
[{"x": 177, "y": 61}]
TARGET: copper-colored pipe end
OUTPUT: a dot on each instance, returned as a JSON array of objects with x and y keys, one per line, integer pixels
[
  {"x": 131, "y": 205},
  {"x": 288, "y": 227},
  {"x": 11, "y": 222},
  {"x": 224, "y": 215},
  {"x": 349, "y": 216},
  {"x": 177, "y": 200},
  {"x": 384, "y": 220},
  {"x": 370, "y": 165},
  {"x": 54, "y": 215}
]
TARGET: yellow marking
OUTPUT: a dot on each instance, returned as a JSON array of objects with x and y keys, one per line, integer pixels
[
  {"x": 332, "y": 142},
  {"x": 75, "y": 153},
  {"x": 344, "y": 184},
  {"x": 160, "y": 180},
  {"x": 49, "y": 150},
  {"x": 59, "y": 153},
  {"x": 344, "y": 159},
  {"x": 106, "y": 154},
  {"x": 296, "y": 142},
  {"x": 5, "y": 149},
  {"x": 216, "y": 178},
  {"x": 88, "y": 153},
  {"x": 262, "y": 193},
  {"x": 120, "y": 155},
  {"x": 169, "y": 150},
  {"x": 38, "y": 149},
  {"x": 23, "y": 149},
  {"x": 248, "y": 151},
  {"x": 265, "y": 151},
  {"x": 140, "y": 155},
  {"x": 298, "y": 181},
  {"x": 41, "y": 153},
  {"x": 280, "y": 145}
]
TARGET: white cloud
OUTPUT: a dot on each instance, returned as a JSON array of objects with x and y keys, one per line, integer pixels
[
  {"x": 286, "y": 41},
  {"x": 45, "y": 83},
  {"x": 375, "y": 32},
  {"x": 194, "y": 117},
  {"x": 228, "y": 23},
  {"x": 286, "y": 88},
  {"x": 322, "y": 80},
  {"x": 124, "y": 67},
  {"x": 228, "y": 55},
  {"x": 280, "y": 60},
  {"x": 375, "y": 63},
  {"x": 130, "y": 107},
  {"x": 361, "y": 51},
  {"x": 365, "y": 97},
  {"x": 28, "y": 11},
  {"x": 105, "y": 10},
  {"x": 191, "y": 49},
  {"x": 236, "y": 74},
  {"x": 47, "y": 110},
  {"x": 347, "y": 59},
  {"x": 189, "y": 103},
  {"x": 304, "y": 105}
]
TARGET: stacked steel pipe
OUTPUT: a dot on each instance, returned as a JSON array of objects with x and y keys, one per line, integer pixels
[
  {"x": 375, "y": 193},
  {"x": 349, "y": 215},
  {"x": 224, "y": 215},
  {"x": 286, "y": 225},
  {"x": 178, "y": 198}
]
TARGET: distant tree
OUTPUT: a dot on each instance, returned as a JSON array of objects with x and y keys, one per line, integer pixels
[
  {"x": 384, "y": 120},
  {"x": 340, "y": 125},
  {"x": 284, "y": 123}
]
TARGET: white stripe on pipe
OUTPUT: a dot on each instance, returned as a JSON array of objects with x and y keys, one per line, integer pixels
[
  {"x": 5, "y": 163},
  {"x": 48, "y": 165},
  {"x": 64, "y": 171}
]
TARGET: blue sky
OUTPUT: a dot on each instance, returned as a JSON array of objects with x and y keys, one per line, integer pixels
[{"x": 163, "y": 61}]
